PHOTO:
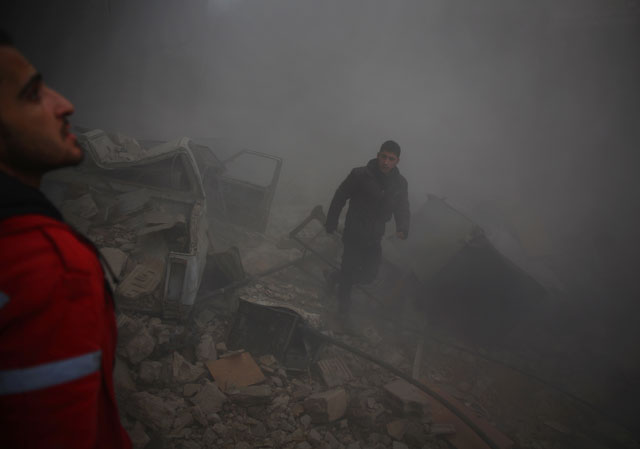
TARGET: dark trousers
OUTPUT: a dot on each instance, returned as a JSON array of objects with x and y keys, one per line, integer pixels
[{"x": 359, "y": 266}]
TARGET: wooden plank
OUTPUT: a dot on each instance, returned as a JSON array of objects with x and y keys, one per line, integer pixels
[{"x": 237, "y": 370}]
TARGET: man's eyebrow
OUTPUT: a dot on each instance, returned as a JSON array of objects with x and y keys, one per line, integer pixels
[{"x": 36, "y": 78}]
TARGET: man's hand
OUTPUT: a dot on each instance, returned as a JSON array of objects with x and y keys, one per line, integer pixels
[{"x": 401, "y": 235}]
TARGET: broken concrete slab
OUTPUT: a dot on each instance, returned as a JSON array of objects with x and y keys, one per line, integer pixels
[
  {"x": 155, "y": 221},
  {"x": 139, "y": 437},
  {"x": 191, "y": 389},
  {"x": 116, "y": 259},
  {"x": 142, "y": 280},
  {"x": 128, "y": 203},
  {"x": 150, "y": 371},
  {"x": 209, "y": 399},
  {"x": 139, "y": 347},
  {"x": 206, "y": 349},
  {"x": 407, "y": 399},
  {"x": 122, "y": 379},
  {"x": 184, "y": 371},
  {"x": 251, "y": 395},
  {"x": 327, "y": 406},
  {"x": 83, "y": 207},
  {"x": 334, "y": 372},
  {"x": 235, "y": 371},
  {"x": 151, "y": 410},
  {"x": 397, "y": 428}
]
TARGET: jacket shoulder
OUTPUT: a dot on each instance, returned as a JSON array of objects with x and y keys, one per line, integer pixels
[
  {"x": 44, "y": 240},
  {"x": 360, "y": 171},
  {"x": 402, "y": 181}
]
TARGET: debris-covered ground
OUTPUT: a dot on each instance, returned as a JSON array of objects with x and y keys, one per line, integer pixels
[
  {"x": 181, "y": 386},
  {"x": 229, "y": 338}
]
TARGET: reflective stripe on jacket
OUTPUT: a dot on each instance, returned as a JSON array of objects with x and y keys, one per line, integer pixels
[{"x": 57, "y": 340}]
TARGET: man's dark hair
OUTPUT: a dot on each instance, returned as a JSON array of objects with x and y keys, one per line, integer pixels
[
  {"x": 5, "y": 39},
  {"x": 391, "y": 146}
]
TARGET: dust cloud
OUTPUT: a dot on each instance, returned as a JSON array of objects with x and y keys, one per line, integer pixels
[{"x": 523, "y": 115}]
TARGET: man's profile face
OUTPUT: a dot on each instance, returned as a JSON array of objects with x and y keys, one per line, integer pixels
[
  {"x": 386, "y": 161},
  {"x": 34, "y": 131}
]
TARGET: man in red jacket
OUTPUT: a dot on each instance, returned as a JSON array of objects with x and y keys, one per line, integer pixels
[{"x": 57, "y": 322}]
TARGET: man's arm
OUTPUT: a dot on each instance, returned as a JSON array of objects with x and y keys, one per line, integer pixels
[
  {"x": 343, "y": 193},
  {"x": 402, "y": 213}
]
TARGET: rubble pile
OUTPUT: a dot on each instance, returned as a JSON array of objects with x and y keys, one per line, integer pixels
[{"x": 167, "y": 393}]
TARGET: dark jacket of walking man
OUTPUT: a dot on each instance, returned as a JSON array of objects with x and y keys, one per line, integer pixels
[
  {"x": 376, "y": 192},
  {"x": 57, "y": 322}
]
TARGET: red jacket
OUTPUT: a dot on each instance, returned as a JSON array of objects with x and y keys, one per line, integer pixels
[{"x": 57, "y": 334}]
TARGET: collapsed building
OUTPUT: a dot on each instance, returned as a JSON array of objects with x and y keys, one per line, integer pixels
[
  {"x": 148, "y": 208},
  {"x": 227, "y": 337}
]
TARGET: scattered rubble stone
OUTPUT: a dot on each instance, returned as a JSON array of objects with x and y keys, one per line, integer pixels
[
  {"x": 251, "y": 395},
  {"x": 407, "y": 399},
  {"x": 267, "y": 360},
  {"x": 191, "y": 389},
  {"x": 326, "y": 406},
  {"x": 334, "y": 372},
  {"x": 139, "y": 437},
  {"x": 206, "y": 349},
  {"x": 139, "y": 347},
  {"x": 198, "y": 415},
  {"x": 305, "y": 421},
  {"x": 399, "y": 445},
  {"x": 122, "y": 377},
  {"x": 151, "y": 410},
  {"x": 209, "y": 438},
  {"x": 150, "y": 371},
  {"x": 397, "y": 428},
  {"x": 184, "y": 419},
  {"x": 184, "y": 371},
  {"x": 209, "y": 399}
]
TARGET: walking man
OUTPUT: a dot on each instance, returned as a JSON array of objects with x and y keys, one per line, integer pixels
[{"x": 376, "y": 192}]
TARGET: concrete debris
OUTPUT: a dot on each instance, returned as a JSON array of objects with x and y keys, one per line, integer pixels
[
  {"x": 334, "y": 372},
  {"x": 407, "y": 399},
  {"x": 267, "y": 360},
  {"x": 397, "y": 428},
  {"x": 155, "y": 221},
  {"x": 251, "y": 395},
  {"x": 128, "y": 203},
  {"x": 116, "y": 258},
  {"x": 139, "y": 347},
  {"x": 122, "y": 379},
  {"x": 139, "y": 437},
  {"x": 206, "y": 350},
  {"x": 151, "y": 410},
  {"x": 83, "y": 207},
  {"x": 209, "y": 399},
  {"x": 150, "y": 372},
  {"x": 184, "y": 419},
  {"x": 327, "y": 406},
  {"x": 184, "y": 371},
  {"x": 190, "y": 389},
  {"x": 142, "y": 280}
]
